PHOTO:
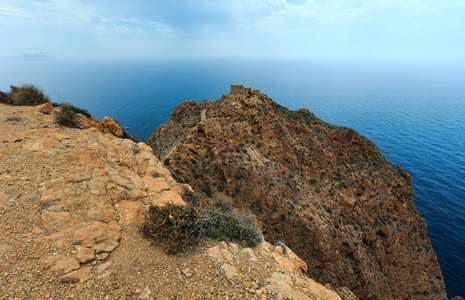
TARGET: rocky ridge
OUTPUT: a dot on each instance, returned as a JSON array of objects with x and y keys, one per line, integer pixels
[
  {"x": 71, "y": 201},
  {"x": 324, "y": 190}
]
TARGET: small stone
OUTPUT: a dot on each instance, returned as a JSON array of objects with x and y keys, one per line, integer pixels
[
  {"x": 249, "y": 254},
  {"x": 187, "y": 272},
  {"x": 145, "y": 294},
  {"x": 106, "y": 246},
  {"x": 104, "y": 266},
  {"x": 233, "y": 248},
  {"x": 255, "y": 285},
  {"x": 229, "y": 271},
  {"x": 81, "y": 275}
]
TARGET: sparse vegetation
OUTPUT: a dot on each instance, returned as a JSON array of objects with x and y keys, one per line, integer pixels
[
  {"x": 26, "y": 94},
  {"x": 78, "y": 110},
  {"x": 181, "y": 227},
  {"x": 67, "y": 115},
  {"x": 222, "y": 202}
]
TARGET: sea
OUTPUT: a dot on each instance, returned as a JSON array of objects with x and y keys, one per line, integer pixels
[{"x": 414, "y": 111}]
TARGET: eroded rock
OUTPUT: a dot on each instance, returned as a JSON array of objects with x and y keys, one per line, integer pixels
[
  {"x": 108, "y": 125},
  {"x": 97, "y": 232}
]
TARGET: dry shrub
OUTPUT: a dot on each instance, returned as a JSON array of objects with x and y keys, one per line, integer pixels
[
  {"x": 26, "y": 94},
  {"x": 66, "y": 116},
  {"x": 181, "y": 227}
]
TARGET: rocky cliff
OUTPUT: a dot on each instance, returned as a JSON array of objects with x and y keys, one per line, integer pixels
[
  {"x": 324, "y": 190},
  {"x": 71, "y": 201}
]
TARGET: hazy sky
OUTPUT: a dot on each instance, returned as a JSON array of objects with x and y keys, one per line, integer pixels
[{"x": 120, "y": 29}]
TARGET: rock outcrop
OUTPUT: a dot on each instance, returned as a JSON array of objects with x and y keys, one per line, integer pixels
[
  {"x": 71, "y": 201},
  {"x": 325, "y": 190},
  {"x": 286, "y": 279}
]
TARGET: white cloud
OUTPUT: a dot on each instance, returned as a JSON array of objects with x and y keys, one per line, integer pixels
[
  {"x": 292, "y": 28},
  {"x": 12, "y": 11},
  {"x": 266, "y": 7},
  {"x": 70, "y": 16},
  {"x": 162, "y": 28}
]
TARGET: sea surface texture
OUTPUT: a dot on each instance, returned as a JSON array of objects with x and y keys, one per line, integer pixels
[{"x": 414, "y": 112}]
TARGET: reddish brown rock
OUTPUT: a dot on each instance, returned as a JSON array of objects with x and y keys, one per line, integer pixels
[
  {"x": 81, "y": 275},
  {"x": 84, "y": 254},
  {"x": 70, "y": 265},
  {"x": 102, "y": 211},
  {"x": 46, "y": 108},
  {"x": 131, "y": 212},
  {"x": 85, "y": 121},
  {"x": 108, "y": 125},
  {"x": 106, "y": 246},
  {"x": 64, "y": 264},
  {"x": 97, "y": 232},
  {"x": 324, "y": 190}
]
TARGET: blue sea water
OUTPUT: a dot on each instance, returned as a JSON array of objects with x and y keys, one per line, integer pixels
[{"x": 414, "y": 112}]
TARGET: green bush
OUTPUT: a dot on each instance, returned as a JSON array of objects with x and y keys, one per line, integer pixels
[
  {"x": 26, "y": 94},
  {"x": 175, "y": 225},
  {"x": 4, "y": 98},
  {"x": 230, "y": 226},
  {"x": 78, "y": 110},
  {"x": 67, "y": 115},
  {"x": 181, "y": 227}
]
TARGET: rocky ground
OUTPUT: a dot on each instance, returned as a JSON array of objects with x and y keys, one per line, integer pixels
[
  {"x": 71, "y": 202},
  {"x": 324, "y": 190}
]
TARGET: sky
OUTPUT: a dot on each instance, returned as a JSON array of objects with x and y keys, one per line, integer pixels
[{"x": 295, "y": 29}]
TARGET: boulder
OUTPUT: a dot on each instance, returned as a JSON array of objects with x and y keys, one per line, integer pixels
[{"x": 108, "y": 125}]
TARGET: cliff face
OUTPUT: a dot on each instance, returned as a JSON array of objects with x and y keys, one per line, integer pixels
[
  {"x": 70, "y": 204},
  {"x": 324, "y": 190}
]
